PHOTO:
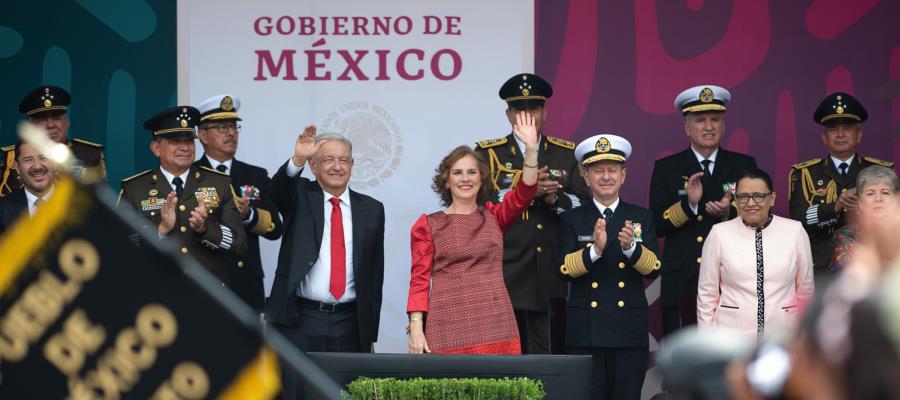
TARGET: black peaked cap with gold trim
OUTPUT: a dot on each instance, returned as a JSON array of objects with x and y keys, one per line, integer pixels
[
  {"x": 525, "y": 90},
  {"x": 223, "y": 107},
  {"x": 45, "y": 101},
  {"x": 840, "y": 108},
  {"x": 602, "y": 147},
  {"x": 173, "y": 123},
  {"x": 703, "y": 98}
]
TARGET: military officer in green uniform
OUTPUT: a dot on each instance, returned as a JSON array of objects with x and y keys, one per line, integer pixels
[
  {"x": 529, "y": 268},
  {"x": 193, "y": 206},
  {"x": 47, "y": 107},
  {"x": 822, "y": 191}
]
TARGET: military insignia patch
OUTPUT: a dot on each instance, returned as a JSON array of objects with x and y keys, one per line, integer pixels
[
  {"x": 153, "y": 203},
  {"x": 250, "y": 190},
  {"x": 208, "y": 196},
  {"x": 153, "y": 192},
  {"x": 227, "y": 104},
  {"x": 706, "y": 95},
  {"x": 603, "y": 145}
]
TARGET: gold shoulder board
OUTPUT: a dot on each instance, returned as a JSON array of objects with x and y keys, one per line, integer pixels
[
  {"x": 561, "y": 142},
  {"x": 92, "y": 144},
  {"x": 485, "y": 144},
  {"x": 8, "y": 148},
  {"x": 205, "y": 168},
  {"x": 135, "y": 176},
  {"x": 874, "y": 160},
  {"x": 807, "y": 163}
]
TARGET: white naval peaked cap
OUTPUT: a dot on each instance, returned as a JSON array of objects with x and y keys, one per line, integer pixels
[
  {"x": 602, "y": 147},
  {"x": 222, "y": 107},
  {"x": 702, "y": 98}
]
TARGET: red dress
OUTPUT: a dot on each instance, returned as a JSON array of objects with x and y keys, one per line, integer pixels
[{"x": 461, "y": 257}]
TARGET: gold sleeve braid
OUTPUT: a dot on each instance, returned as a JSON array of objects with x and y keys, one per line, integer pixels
[
  {"x": 648, "y": 262},
  {"x": 10, "y": 158},
  {"x": 675, "y": 214},
  {"x": 264, "y": 222},
  {"x": 574, "y": 265}
]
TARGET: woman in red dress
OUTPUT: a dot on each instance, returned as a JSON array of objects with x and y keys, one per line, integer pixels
[{"x": 458, "y": 255}]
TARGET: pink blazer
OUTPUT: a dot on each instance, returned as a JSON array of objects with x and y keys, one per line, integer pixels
[{"x": 726, "y": 291}]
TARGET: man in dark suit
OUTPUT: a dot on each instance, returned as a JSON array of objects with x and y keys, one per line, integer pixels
[
  {"x": 689, "y": 192},
  {"x": 219, "y": 133},
  {"x": 47, "y": 107},
  {"x": 37, "y": 185},
  {"x": 823, "y": 190},
  {"x": 606, "y": 249},
  {"x": 193, "y": 206},
  {"x": 529, "y": 244},
  {"x": 327, "y": 290}
]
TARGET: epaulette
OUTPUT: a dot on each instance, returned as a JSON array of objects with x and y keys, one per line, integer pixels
[
  {"x": 213, "y": 170},
  {"x": 808, "y": 163},
  {"x": 874, "y": 160},
  {"x": 92, "y": 144},
  {"x": 135, "y": 176},
  {"x": 561, "y": 142},
  {"x": 485, "y": 144},
  {"x": 8, "y": 148}
]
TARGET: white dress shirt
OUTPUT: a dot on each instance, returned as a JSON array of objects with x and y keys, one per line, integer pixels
[
  {"x": 712, "y": 167},
  {"x": 838, "y": 162},
  {"x": 32, "y": 198},
  {"x": 215, "y": 164},
  {"x": 169, "y": 176},
  {"x": 627, "y": 252},
  {"x": 316, "y": 284}
]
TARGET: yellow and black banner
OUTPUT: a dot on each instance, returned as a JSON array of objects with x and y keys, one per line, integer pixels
[{"x": 85, "y": 314}]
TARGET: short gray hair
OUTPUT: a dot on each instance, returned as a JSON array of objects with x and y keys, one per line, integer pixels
[
  {"x": 335, "y": 136},
  {"x": 877, "y": 174}
]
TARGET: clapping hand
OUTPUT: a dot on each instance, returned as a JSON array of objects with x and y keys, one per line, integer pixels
[
  {"x": 167, "y": 215},
  {"x": 243, "y": 204},
  {"x": 626, "y": 236},
  {"x": 719, "y": 208},
  {"x": 599, "y": 235},
  {"x": 695, "y": 189},
  {"x": 306, "y": 146},
  {"x": 199, "y": 215}
]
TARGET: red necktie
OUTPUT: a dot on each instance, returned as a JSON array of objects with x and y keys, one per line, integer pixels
[{"x": 338, "y": 252}]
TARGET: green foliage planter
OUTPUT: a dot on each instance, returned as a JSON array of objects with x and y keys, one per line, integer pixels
[{"x": 444, "y": 389}]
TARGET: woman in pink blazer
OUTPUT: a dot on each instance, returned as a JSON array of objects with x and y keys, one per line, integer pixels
[{"x": 755, "y": 270}]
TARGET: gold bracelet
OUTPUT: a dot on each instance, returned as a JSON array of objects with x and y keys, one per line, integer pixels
[{"x": 529, "y": 166}]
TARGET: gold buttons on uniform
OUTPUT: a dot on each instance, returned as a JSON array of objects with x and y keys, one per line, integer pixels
[
  {"x": 182, "y": 207},
  {"x": 621, "y": 284},
  {"x": 699, "y": 260},
  {"x": 594, "y": 285},
  {"x": 539, "y": 226},
  {"x": 699, "y": 239},
  {"x": 593, "y": 304},
  {"x": 240, "y": 264},
  {"x": 621, "y": 304},
  {"x": 183, "y": 229},
  {"x": 621, "y": 265},
  {"x": 152, "y": 213},
  {"x": 539, "y": 249},
  {"x": 699, "y": 218},
  {"x": 821, "y": 201},
  {"x": 184, "y": 250}
]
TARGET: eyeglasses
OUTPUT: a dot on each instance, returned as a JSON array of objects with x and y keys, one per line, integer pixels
[
  {"x": 224, "y": 128},
  {"x": 743, "y": 198}
]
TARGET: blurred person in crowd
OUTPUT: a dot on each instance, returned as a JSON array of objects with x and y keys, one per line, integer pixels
[
  {"x": 757, "y": 268},
  {"x": 457, "y": 256}
]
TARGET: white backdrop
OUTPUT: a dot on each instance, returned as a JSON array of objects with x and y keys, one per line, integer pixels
[{"x": 401, "y": 124}]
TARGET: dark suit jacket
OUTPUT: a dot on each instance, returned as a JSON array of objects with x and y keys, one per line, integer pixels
[
  {"x": 246, "y": 272},
  {"x": 301, "y": 203},
  {"x": 684, "y": 238},
  {"x": 607, "y": 306},
  {"x": 11, "y": 207}
]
